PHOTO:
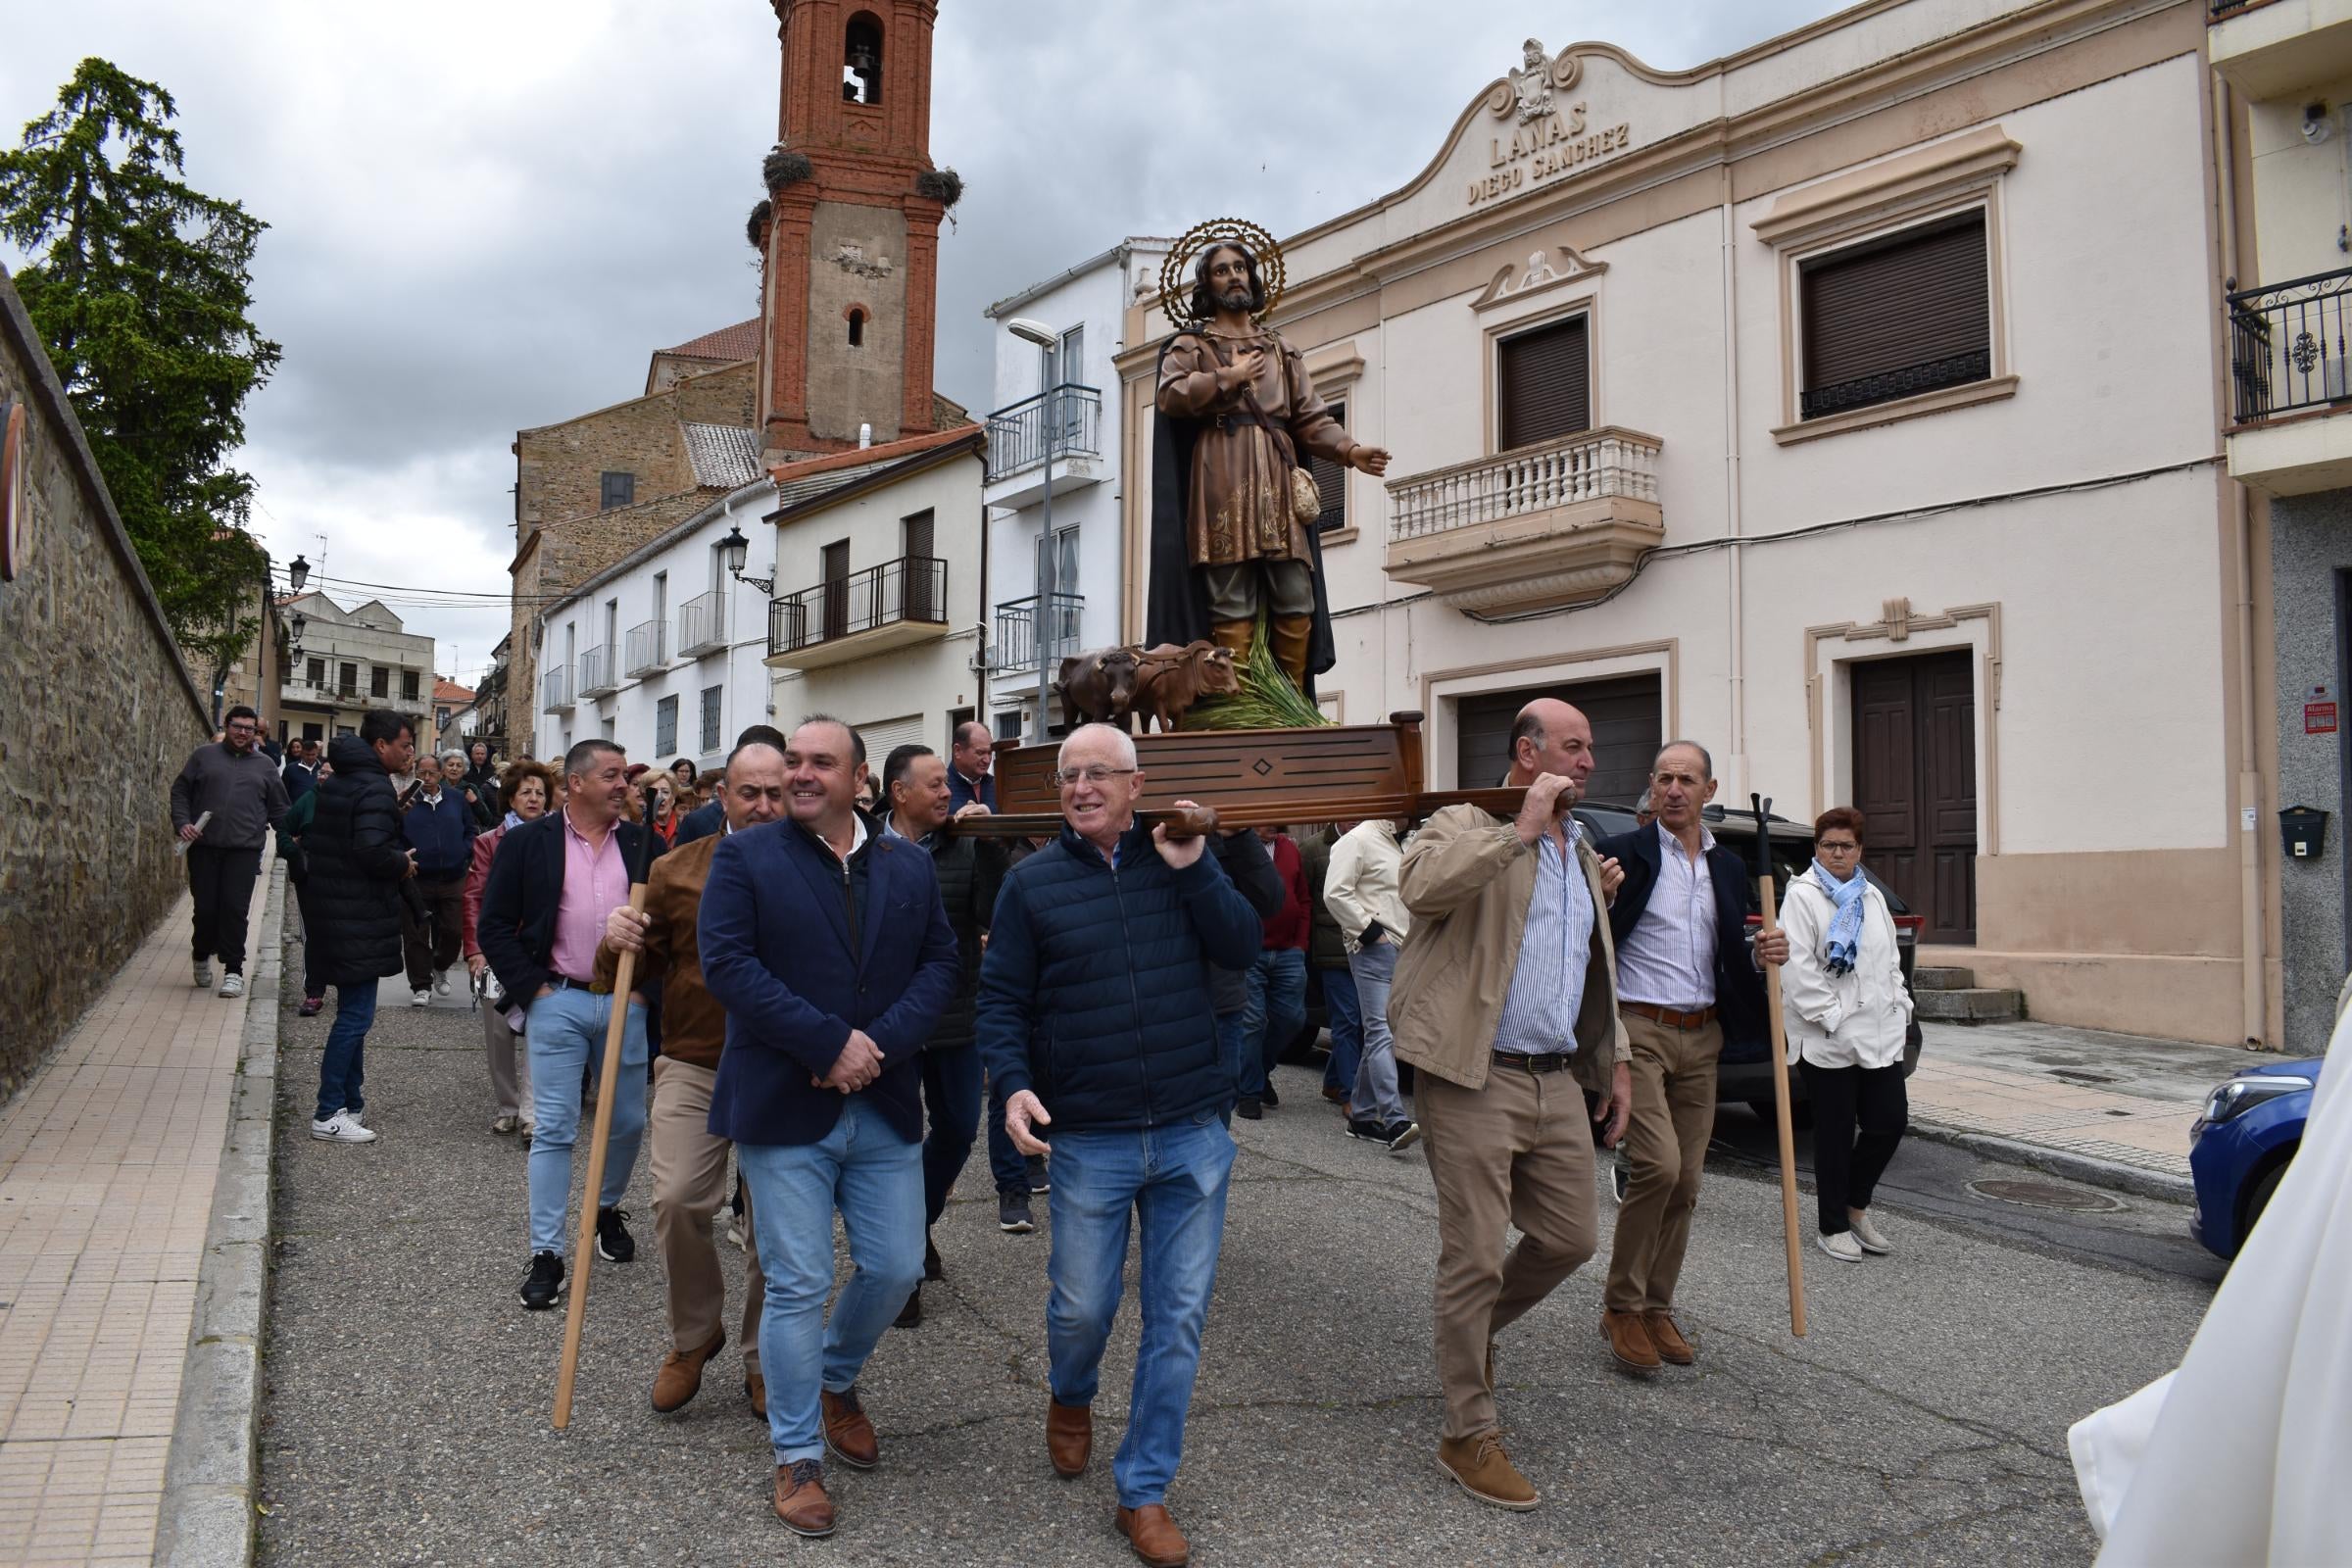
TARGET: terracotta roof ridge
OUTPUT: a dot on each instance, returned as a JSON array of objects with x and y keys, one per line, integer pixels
[{"x": 880, "y": 452}]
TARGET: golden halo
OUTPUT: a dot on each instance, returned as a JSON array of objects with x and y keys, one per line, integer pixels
[{"x": 1175, "y": 271}]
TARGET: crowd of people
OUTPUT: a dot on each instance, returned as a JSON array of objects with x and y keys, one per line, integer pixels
[{"x": 840, "y": 979}]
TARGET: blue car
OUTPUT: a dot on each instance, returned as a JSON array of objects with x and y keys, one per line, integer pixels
[{"x": 2248, "y": 1131}]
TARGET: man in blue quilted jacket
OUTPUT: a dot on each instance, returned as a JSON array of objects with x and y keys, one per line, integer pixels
[{"x": 1093, "y": 1015}]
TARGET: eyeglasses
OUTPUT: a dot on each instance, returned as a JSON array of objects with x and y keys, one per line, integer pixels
[
  {"x": 1826, "y": 847},
  {"x": 1097, "y": 775}
]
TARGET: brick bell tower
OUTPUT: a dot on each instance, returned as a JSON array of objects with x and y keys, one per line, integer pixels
[{"x": 851, "y": 241}]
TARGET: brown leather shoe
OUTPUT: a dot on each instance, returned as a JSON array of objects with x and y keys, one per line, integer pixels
[
  {"x": 681, "y": 1376},
  {"x": 1069, "y": 1438},
  {"x": 1154, "y": 1536},
  {"x": 1629, "y": 1341},
  {"x": 755, "y": 1389},
  {"x": 848, "y": 1432},
  {"x": 1668, "y": 1338},
  {"x": 1291, "y": 635},
  {"x": 1480, "y": 1467},
  {"x": 801, "y": 1499}
]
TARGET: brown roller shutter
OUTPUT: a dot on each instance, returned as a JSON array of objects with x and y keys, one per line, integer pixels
[
  {"x": 1330, "y": 482},
  {"x": 1908, "y": 314},
  {"x": 1543, "y": 385}
]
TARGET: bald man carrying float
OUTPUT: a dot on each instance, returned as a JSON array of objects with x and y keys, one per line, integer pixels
[{"x": 1504, "y": 1002}]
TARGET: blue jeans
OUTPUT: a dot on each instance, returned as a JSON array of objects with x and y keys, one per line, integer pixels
[
  {"x": 1233, "y": 1047},
  {"x": 875, "y": 1178},
  {"x": 339, "y": 1066},
  {"x": 1276, "y": 1012},
  {"x": 952, "y": 1112},
  {"x": 1174, "y": 1178},
  {"x": 1347, "y": 1029},
  {"x": 1376, "y": 1097},
  {"x": 565, "y": 1033},
  {"x": 1004, "y": 1162}
]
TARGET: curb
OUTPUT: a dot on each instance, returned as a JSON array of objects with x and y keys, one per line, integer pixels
[
  {"x": 213, "y": 1471},
  {"x": 2084, "y": 1168}
]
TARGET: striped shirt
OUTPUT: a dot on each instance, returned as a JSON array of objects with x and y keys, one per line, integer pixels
[
  {"x": 1548, "y": 984},
  {"x": 1668, "y": 959}
]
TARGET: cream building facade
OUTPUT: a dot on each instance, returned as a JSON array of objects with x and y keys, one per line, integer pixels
[{"x": 1851, "y": 405}]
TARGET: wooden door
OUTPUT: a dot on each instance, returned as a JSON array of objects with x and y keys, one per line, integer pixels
[
  {"x": 837, "y": 588},
  {"x": 915, "y": 593},
  {"x": 1915, "y": 783}
]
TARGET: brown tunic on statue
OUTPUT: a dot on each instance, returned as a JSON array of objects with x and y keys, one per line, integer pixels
[{"x": 1241, "y": 489}]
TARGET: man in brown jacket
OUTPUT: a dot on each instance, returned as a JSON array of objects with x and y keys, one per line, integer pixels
[
  {"x": 689, "y": 1162},
  {"x": 1505, "y": 1004}
]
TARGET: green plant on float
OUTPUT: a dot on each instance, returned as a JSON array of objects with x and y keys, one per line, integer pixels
[{"x": 1267, "y": 701}]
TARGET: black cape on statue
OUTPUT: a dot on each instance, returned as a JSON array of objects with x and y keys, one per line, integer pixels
[{"x": 1176, "y": 610}]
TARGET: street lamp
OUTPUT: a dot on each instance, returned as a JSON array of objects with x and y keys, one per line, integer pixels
[
  {"x": 732, "y": 549},
  {"x": 1045, "y": 338},
  {"x": 298, "y": 574}
]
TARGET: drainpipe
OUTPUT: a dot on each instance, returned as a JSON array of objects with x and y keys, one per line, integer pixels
[
  {"x": 2254, "y": 989},
  {"x": 1735, "y": 572}
]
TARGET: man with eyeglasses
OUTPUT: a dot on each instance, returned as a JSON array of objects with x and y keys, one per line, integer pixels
[
  {"x": 1095, "y": 1019},
  {"x": 224, "y": 805}
]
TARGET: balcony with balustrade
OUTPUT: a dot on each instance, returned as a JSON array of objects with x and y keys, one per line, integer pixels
[
  {"x": 703, "y": 624},
  {"x": 648, "y": 646},
  {"x": 1065, "y": 421},
  {"x": 1016, "y": 640},
  {"x": 555, "y": 691},
  {"x": 895, "y": 605},
  {"x": 1533, "y": 528},
  {"x": 596, "y": 673},
  {"x": 2290, "y": 374},
  {"x": 2274, "y": 48}
]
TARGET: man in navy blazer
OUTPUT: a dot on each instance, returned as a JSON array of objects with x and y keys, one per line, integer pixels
[
  {"x": 829, "y": 949},
  {"x": 1685, "y": 986}
]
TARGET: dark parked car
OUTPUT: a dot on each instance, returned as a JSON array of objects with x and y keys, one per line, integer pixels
[{"x": 2241, "y": 1144}]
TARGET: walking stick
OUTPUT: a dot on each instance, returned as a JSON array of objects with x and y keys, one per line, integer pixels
[
  {"x": 1780, "y": 1072},
  {"x": 575, "y": 1311}
]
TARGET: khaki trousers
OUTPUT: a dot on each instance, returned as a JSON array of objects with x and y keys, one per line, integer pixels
[
  {"x": 690, "y": 1186},
  {"x": 1518, "y": 1152},
  {"x": 510, "y": 1064},
  {"x": 1666, "y": 1148}
]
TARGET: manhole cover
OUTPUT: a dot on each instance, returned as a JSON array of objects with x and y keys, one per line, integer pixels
[
  {"x": 2045, "y": 1195},
  {"x": 2076, "y": 1075}
]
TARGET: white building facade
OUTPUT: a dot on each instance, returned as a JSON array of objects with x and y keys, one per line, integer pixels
[
  {"x": 1052, "y": 413},
  {"x": 346, "y": 661},
  {"x": 1849, "y": 405}
]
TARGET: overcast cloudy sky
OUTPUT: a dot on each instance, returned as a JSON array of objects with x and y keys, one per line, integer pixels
[{"x": 484, "y": 216}]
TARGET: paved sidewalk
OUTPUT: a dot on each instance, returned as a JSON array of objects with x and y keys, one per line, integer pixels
[
  {"x": 108, "y": 1163},
  {"x": 2096, "y": 1105}
]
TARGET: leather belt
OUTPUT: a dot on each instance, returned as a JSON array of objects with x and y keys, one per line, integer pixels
[
  {"x": 565, "y": 982},
  {"x": 1671, "y": 1017},
  {"x": 1547, "y": 1061}
]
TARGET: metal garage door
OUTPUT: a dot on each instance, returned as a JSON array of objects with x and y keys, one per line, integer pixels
[
  {"x": 887, "y": 734},
  {"x": 1627, "y": 718}
]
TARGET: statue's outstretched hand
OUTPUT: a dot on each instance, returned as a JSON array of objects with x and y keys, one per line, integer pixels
[{"x": 1373, "y": 460}]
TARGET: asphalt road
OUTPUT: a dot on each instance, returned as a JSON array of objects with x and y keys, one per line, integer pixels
[{"x": 1921, "y": 1422}]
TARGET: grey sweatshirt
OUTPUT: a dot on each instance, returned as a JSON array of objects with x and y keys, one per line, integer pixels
[{"x": 244, "y": 794}]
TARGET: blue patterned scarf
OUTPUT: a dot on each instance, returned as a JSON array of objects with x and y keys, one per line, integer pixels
[{"x": 1846, "y": 926}]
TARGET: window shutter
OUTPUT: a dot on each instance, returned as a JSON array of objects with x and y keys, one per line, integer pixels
[
  {"x": 1330, "y": 482},
  {"x": 1902, "y": 316},
  {"x": 1542, "y": 384}
]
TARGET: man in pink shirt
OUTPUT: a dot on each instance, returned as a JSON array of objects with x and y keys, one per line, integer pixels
[{"x": 552, "y": 884}]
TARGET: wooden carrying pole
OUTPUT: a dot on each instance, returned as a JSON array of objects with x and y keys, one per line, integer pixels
[
  {"x": 575, "y": 1311},
  {"x": 1780, "y": 1072}
]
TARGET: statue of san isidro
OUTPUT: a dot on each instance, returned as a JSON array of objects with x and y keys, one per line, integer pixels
[{"x": 1233, "y": 504}]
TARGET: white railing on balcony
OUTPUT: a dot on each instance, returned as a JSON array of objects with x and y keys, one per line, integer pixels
[
  {"x": 556, "y": 690},
  {"x": 1589, "y": 466},
  {"x": 703, "y": 624},
  {"x": 596, "y": 673},
  {"x": 648, "y": 648}
]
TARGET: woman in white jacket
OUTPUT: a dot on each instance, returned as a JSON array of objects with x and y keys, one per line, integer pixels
[{"x": 1849, "y": 1012}]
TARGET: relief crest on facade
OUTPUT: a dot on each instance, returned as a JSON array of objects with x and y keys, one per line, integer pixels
[{"x": 1528, "y": 91}]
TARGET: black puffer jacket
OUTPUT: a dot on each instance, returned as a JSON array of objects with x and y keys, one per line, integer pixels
[
  {"x": 971, "y": 871},
  {"x": 356, "y": 865}
]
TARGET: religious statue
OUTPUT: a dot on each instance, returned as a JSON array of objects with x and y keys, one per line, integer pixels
[{"x": 1233, "y": 506}]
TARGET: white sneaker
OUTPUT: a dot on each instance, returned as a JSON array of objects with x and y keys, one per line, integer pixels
[
  {"x": 341, "y": 1128},
  {"x": 1843, "y": 1246},
  {"x": 233, "y": 984},
  {"x": 420, "y": 997},
  {"x": 1872, "y": 1240},
  {"x": 440, "y": 982},
  {"x": 204, "y": 972},
  {"x": 359, "y": 1116}
]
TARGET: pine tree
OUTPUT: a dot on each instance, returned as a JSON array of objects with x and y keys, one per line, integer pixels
[{"x": 140, "y": 287}]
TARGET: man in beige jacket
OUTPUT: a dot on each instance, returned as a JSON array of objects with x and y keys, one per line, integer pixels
[{"x": 1505, "y": 1004}]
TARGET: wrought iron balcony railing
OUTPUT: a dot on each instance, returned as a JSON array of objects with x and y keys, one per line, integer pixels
[
  {"x": 596, "y": 673},
  {"x": 912, "y": 588},
  {"x": 703, "y": 624},
  {"x": 1589, "y": 466},
  {"x": 1016, "y": 631},
  {"x": 1066, "y": 420},
  {"x": 648, "y": 645},
  {"x": 2290, "y": 344},
  {"x": 555, "y": 691}
]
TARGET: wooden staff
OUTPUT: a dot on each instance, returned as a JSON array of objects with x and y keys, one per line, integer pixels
[
  {"x": 1780, "y": 1072},
  {"x": 575, "y": 1311}
]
